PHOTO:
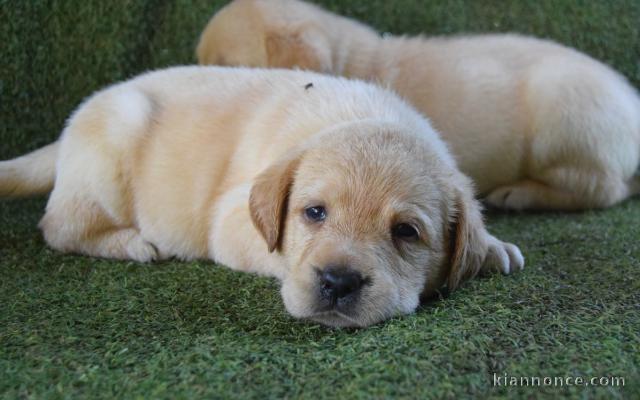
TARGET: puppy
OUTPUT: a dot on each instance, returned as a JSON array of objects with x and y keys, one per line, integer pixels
[
  {"x": 337, "y": 188},
  {"x": 536, "y": 125}
]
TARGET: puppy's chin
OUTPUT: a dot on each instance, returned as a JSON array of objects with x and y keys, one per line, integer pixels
[
  {"x": 337, "y": 319},
  {"x": 302, "y": 303}
]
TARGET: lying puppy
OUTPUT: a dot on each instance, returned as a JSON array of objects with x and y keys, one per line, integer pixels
[
  {"x": 533, "y": 123},
  {"x": 336, "y": 187}
]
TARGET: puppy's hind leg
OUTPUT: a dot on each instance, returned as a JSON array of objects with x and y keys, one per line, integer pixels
[
  {"x": 529, "y": 194},
  {"x": 568, "y": 189},
  {"x": 583, "y": 143},
  {"x": 91, "y": 208},
  {"x": 79, "y": 225}
]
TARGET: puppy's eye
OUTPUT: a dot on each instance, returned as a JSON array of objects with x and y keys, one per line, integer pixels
[
  {"x": 405, "y": 232},
  {"x": 315, "y": 214}
]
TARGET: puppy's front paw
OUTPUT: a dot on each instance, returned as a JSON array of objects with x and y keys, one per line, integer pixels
[
  {"x": 142, "y": 251},
  {"x": 502, "y": 257}
]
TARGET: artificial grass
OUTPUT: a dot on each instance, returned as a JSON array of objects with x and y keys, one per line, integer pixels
[{"x": 74, "y": 326}]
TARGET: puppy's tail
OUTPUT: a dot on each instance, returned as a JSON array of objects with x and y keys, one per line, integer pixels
[{"x": 31, "y": 174}]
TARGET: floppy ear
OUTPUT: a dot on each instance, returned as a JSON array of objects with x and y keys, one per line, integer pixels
[
  {"x": 468, "y": 241},
  {"x": 269, "y": 197},
  {"x": 305, "y": 48}
]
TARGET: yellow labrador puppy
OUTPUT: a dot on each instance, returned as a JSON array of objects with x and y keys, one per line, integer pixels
[
  {"x": 533, "y": 123},
  {"x": 336, "y": 187}
]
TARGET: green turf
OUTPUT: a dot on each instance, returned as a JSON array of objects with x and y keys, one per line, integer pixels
[{"x": 76, "y": 327}]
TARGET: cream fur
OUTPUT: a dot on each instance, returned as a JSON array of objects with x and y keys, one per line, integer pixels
[
  {"x": 218, "y": 163},
  {"x": 533, "y": 123}
]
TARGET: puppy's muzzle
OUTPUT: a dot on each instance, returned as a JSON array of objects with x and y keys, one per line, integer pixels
[{"x": 340, "y": 286}]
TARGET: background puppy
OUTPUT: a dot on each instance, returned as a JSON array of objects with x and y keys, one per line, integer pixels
[
  {"x": 533, "y": 123},
  {"x": 339, "y": 189}
]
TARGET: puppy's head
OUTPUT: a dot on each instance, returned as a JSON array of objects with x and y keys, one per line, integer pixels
[
  {"x": 368, "y": 219},
  {"x": 267, "y": 33}
]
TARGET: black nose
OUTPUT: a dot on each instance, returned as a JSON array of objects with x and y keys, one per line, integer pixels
[{"x": 339, "y": 282}]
